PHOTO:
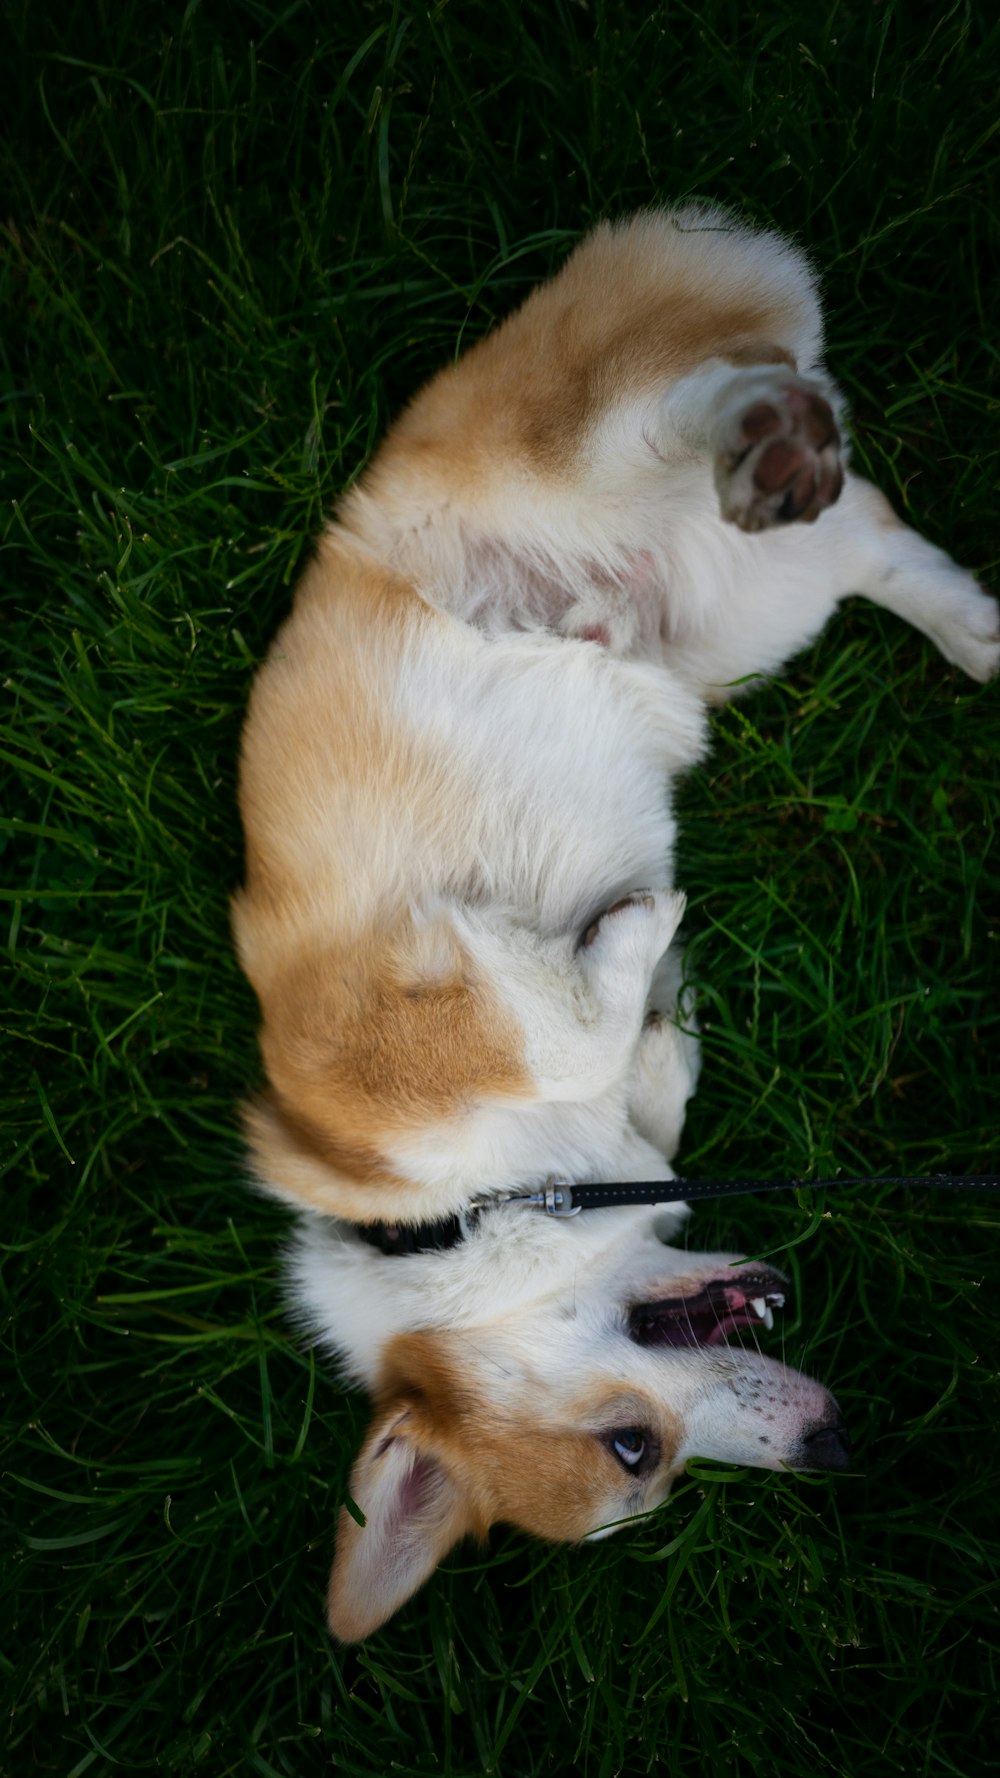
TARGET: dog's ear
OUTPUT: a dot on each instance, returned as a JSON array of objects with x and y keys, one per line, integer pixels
[{"x": 414, "y": 1512}]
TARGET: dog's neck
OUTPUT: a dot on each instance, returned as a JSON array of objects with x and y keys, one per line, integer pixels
[{"x": 353, "y": 1298}]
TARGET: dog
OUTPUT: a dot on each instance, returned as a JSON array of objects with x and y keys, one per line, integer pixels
[{"x": 627, "y": 503}]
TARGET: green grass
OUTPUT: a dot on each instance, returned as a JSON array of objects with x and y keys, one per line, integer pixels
[{"x": 236, "y": 236}]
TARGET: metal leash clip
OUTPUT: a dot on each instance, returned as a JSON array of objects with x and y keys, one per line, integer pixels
[{"x": 557, "y": 1199}]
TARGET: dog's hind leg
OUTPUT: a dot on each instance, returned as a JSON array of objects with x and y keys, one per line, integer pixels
[
  {"x": 878, "y": 555},
  {"x": 773, "y": 441},
  {"x": 771, "y": 436}
]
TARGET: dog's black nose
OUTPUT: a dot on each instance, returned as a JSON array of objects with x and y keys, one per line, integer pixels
[{"x": 826, "y": 1446}]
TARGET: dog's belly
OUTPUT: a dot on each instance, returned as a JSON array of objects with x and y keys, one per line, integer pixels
[
  {"x": 567, "y": 802},
  {"x": 429, "y": 762}
]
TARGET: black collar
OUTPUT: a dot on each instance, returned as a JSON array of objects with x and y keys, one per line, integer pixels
[
  {"x": 422, "y": 1237},
  {"x": 560, "y": 1199}
]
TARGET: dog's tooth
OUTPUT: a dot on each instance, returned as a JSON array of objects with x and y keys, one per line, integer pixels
[{"x": 761, "y": 1307}]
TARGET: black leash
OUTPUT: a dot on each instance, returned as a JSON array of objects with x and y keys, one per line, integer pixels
[
  {"x": 561, "y": 1199},
  {"x": 600, "y": 1197}
]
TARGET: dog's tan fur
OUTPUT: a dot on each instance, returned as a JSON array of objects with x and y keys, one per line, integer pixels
[
  {"x": 367, "y": 1026},
  {"x": 370, "y": 1022},
  {"x": 555, "y": 1482},
  {"x": 459, "y": 897},
  {"x": 608, "y": 326}
]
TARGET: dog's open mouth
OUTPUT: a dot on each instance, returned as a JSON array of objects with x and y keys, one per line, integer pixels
[{"x": 725, "y": 1306}]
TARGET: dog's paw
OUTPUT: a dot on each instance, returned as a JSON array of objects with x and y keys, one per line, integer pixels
[
  {"x": 642, "y": 899},
  {"x": 640, "y": 926},
  {"x": 968, "y": 633},
  {"x": 617, "y": 956},
  {"x": 778, "y": 457}
]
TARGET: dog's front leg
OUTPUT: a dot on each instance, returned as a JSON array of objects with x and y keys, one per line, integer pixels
[
  {"x": 667, "y": 1059},
  {"x": 581, "y": 1010},
  {"x": 663, "y": 1077}
]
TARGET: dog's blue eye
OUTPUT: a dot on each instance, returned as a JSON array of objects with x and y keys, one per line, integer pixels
[{"x": 630, "y": 1446}]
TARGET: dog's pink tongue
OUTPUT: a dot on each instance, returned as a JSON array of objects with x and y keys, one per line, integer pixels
[{"x": 724, "y": 1307}]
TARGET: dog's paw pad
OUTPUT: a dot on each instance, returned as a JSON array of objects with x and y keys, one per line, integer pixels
[{"x": 779, "y": 460}]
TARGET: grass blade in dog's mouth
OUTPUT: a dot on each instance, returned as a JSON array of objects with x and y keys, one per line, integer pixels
[{"x": 725, "y": 1306}]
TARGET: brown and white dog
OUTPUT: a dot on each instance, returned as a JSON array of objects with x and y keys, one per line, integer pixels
[{"x": 455, "y": 784}]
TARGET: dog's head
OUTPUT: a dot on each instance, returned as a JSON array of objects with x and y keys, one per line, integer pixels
[{"x": 563, "y": 1405}]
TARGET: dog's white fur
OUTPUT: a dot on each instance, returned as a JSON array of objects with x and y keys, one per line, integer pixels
[{"x": 457, "y": 755}]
